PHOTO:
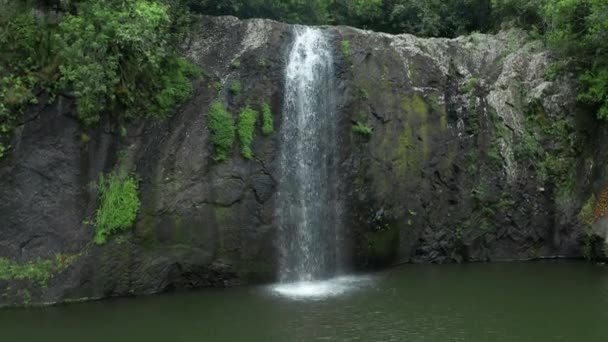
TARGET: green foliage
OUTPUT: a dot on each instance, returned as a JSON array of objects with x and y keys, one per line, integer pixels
[
  {"x": 586, "y": 213},
  {"x": 221, "y": 125},
  {"x": 267, "y": 121},
  {"x": 116, "y": 56},
  {"x": 112, "y": 56},
  {"x": 118, "y": 204},
  {"x": 24, "y": 54},
  {"x": 480, "y": 193},
  {"x": 471, "y": 85},
  {"x": 551, "y": 147},
  {"x": 472, "y": 160},
  {"x": 176, "y": 87},
  {"x": 362, "y": 129},
  {"x": 577, "y": 32},
  {"x": 235, "y": 87},
  {"x": 235, "y": 64},
  {"x": 262, "y": 62},
  {"x": 521, "y": 13},
  {"x": 345, "y": 48},
  {"x": 246, "y": 129},
  {"x": 40, "y": 271}
]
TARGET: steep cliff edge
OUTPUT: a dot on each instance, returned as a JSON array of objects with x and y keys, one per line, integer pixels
[{"x": 462, "y": 152}]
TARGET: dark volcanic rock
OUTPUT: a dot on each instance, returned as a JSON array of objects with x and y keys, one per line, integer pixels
[{"x": 439, "y": 180}]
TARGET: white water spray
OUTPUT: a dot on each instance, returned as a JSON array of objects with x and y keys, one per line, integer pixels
[{"x": 308, "y": 206}]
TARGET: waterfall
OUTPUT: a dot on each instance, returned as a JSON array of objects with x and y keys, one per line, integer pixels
[{"x": 308, "y": 206}]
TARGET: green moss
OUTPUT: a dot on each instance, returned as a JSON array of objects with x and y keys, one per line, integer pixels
[
  {"x": 415, "y": 105},
  {"x": 178, "y": 227},
  {"x": 39, "y": 271},
  {"x": 119, "y": 204},
  {"x": 345, "y": 48},
  {"x": 586, "y": 213},
  {"x": 362, "y": 94},
  {"x": 84, "y": 138},
  {"x": 414, "y": 73},
  {"x": 220, "y": 213},
  {"x": 362, "y": 129},
  {"x": 235, "y": 87},
  {"x": 424, "y": 135},
  {"x": 404, "y": 151},
  {"x": 246, "y": 129},
  {"x": 145, "y": 230},
  {"x": 221, "y": 125},
  {"x": 267, "y": 120}
]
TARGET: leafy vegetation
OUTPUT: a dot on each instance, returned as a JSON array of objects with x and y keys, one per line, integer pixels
[
  {"x": 345, "y": 48},
  {"x": 235, "y": 64},
  {"x": 115, "y": 57},
  {"x": 222, "y": 128},
  {"x": 40, "y": 271},
  {"x": 267, "y": 121},
  {"x": 246, "y": 129},
  {"x": 235, "y": 87},
  {"x": 119, "y": 204},
  {"x": 362, "y": 129}
]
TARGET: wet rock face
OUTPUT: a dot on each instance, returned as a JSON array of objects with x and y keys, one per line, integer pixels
[{"x": 453, "y": 170}]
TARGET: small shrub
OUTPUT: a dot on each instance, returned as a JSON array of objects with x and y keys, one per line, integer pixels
[
  {"x": 235, "y": 87},
  {"x": 246, "y": 129},
  {"x": 267, "y": 122},
  {"x": 471, "y": 85},
  {"x": 362, "y": 129},
  {"x": 553, "y": 71},
  {"x": 262, "y": 62},
  {"x": 235, "y": 64},
  {"x": 176, "y": 87},
  {"x": 119, "y": 204},
  {"x": 345, "y": 48},
  {"x": 221, "y": 125}
]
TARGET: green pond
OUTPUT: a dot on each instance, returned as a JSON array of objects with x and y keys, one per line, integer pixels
[{"x": 534, "y": 301}]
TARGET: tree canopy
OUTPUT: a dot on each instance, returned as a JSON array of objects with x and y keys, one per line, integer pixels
[{"x": 121, "y": 57}]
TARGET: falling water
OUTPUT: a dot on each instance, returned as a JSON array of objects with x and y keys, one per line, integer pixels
[{"x": 308, "y": 208}]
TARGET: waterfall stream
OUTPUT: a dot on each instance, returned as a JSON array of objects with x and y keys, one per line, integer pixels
[{"x": 308, "y": 207}]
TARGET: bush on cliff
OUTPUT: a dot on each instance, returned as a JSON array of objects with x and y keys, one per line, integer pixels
[
  {"x": 221, "y": 125},
  {"x": 119, "y": 204},
  {"x": 267, "y": 121},
  {"x": 246, "y": 130}
]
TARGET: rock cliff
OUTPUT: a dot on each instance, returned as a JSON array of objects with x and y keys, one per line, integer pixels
[{"x": 473, "y": 156}]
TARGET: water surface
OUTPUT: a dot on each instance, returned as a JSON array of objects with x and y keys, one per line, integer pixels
[{"x": 539, "y": 301}]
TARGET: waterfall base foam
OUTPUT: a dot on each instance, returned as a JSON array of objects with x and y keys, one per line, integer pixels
[{"x": 322, "y": 288}]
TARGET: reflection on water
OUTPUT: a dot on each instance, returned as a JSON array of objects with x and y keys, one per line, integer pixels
[
  {"x": 518, "y": 302},
  {"x": 322, "y": 288}
]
